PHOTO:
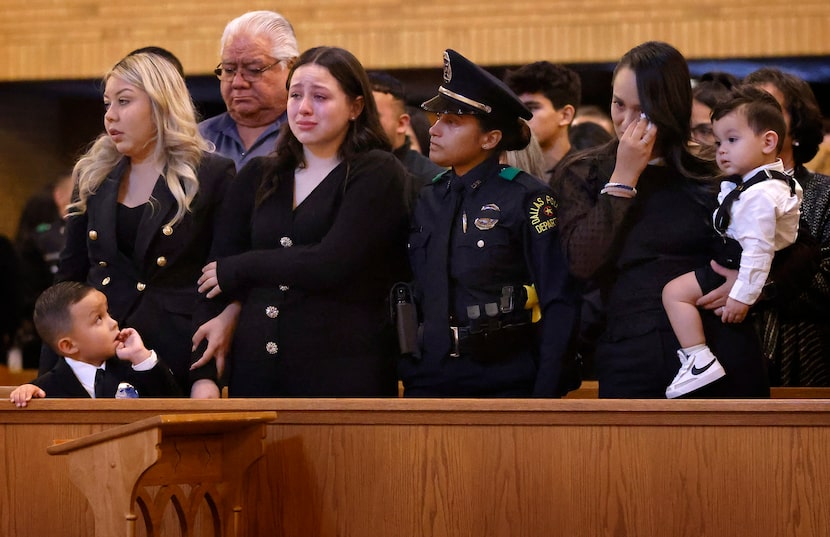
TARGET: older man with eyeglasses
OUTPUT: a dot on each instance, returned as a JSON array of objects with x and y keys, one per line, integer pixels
[{"x": 257, "y": 52}]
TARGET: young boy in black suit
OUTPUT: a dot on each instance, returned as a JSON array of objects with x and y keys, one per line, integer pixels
[{"x": 96, "y": 356}]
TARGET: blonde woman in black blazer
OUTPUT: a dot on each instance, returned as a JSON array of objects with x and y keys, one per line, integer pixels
[{"x": 143, "y": 214}]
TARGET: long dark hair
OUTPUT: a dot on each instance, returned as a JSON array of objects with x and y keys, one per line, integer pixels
[
  {"x": 365, "y": 132},
  {"x": 800, "y": 103},
  {"x": 665, "y": 92}
]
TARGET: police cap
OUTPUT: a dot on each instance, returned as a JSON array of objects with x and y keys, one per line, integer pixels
[{"x": 469, "y": 89}]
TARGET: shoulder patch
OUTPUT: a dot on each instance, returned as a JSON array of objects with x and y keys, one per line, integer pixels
[
  {"x": 542, "y": 213},
  {"x": 509, "y": 173},
  {"x": 439, "y": 176}
]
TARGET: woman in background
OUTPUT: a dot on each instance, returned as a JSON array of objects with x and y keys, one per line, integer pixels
[
  {"x": 709, "y": 89},
  {"x": 796, "y": 333},
  {"x": 529, "y": 159}
]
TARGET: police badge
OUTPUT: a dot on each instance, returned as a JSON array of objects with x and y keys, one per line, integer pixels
[
  {"x": 447, "y": 68},
  {"x": 489, "y": 217}
]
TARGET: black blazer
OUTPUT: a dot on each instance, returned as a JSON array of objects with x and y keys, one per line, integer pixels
[
  {"x": 61, "y": 381},
  {"x": 154, "y": 290}
]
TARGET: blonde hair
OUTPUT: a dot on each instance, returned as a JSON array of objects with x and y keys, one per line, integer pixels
[
  {"x": 530, "y": 159},
  {"x": 178, "y": 144}
]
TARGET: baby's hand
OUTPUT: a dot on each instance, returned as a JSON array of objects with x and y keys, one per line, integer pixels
[
  {"x": 131, "y": 347},
  {"x": 734, "y": 311},
  {"x": 24, "y": 393}
]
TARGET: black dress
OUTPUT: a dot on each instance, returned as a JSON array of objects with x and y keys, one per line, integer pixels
[
  {"x": 314, "y": 280},
  {"x": 632, "y": 248}
]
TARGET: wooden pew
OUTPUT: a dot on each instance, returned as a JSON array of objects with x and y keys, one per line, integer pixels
[
  {"x": 458, "y": 467},
  {"x": 799, "y": 393},
  {"x": 589, "y": 390},
  {"x": 15, "y": 378}
]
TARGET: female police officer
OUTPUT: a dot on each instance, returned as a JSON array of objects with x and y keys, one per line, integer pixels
[{"x": 484, "y": 238}]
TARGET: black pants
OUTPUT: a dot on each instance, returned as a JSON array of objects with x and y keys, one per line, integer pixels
[{"x": 641, "y": 366}]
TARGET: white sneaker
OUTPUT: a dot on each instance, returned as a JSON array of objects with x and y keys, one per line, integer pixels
[
  {"x": 696, "y": 371},
  {"x": 684, "y": 360}
]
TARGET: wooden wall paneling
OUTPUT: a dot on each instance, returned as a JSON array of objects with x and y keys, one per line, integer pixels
[
  {"x": 533, "y": 481},
  {"x": 81, "y": 38}
]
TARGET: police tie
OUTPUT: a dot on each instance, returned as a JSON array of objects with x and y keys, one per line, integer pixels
[
  {"x": 437, "y": 311},
  {"x": 99, "y": 383}
]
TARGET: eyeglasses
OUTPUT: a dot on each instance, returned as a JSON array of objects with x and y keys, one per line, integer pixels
[
  {"x": 249, "y": 74},
  {"x": 703, "y": 132}
]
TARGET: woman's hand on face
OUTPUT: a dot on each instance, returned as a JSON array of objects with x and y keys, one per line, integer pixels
[
  {"x": 634, "y": 151},
  {"x": 209, "y": 281}
]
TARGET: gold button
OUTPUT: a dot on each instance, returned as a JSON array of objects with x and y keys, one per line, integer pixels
[
  {"x": 161, "y": 261},
  {"x": 140, "y": 286},
  {"x": 286, "y": 242},
  {"x": 271, "y": 312},
  {"x": 93, "y": 235},
  {"x": 167, "y": 230},
  {"x": 271, "y": 347},
  {"x": 102, "y": 263},
  {"x": 105, "y": 281}
]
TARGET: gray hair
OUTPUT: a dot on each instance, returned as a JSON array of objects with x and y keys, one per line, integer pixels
[{"x": 268, "y": 25}]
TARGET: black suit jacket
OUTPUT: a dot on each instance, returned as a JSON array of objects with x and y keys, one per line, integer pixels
[
  {"x": 61, "y": 381},
  {"x": 154, "y": 290}
]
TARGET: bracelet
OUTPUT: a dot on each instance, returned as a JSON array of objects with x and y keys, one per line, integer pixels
[
  {"x": 621, "y": 185},
  {"x": 619, "y": 189}
]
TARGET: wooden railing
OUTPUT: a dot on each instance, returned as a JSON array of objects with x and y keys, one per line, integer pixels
[
  {"x": 457, "y": 467},
  {"x": 588, "y": 390}
]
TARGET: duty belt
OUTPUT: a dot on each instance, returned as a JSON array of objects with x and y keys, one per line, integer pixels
[
  {"x": 487, "y": 320},
  {"x": 460, "y": 334}
]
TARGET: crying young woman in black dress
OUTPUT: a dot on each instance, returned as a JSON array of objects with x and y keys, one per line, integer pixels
[{"x": 313, "y": 240}]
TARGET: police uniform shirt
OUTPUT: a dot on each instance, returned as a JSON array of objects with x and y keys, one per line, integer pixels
[{"x": 504, "y": 232}]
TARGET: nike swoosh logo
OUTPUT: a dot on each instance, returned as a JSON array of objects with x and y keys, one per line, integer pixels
[{"x": 696, "y": 371}]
